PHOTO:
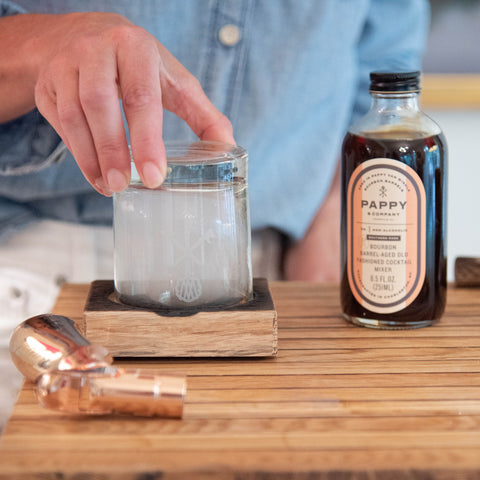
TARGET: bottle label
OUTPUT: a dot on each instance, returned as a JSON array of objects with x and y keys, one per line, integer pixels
[{"x": 386, "y": 212}]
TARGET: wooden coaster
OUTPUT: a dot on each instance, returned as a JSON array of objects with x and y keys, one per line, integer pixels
[{"x": 245, "y": 330}]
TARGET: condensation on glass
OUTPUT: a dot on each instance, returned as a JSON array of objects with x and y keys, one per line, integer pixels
[{"x": 186, "y": 244}]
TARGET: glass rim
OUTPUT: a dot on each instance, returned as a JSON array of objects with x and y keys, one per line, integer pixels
[
  {"x": 200, "y": 152},
  {"x": 200, "y": 161}
]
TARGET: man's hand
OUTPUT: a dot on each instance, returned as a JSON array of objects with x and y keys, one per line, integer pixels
[
  {"x": 316, "y": 257},
  {"x": 75, "y": 67}
]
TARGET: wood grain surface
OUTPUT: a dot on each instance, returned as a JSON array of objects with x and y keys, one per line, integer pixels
[{"x": 338, "y": 402}]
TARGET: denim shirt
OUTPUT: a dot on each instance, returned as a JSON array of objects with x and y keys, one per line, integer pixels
[{"x": 291, "y": 86}]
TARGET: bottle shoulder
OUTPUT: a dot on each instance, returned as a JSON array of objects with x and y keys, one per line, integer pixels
[{"x": 396, "y": 124}]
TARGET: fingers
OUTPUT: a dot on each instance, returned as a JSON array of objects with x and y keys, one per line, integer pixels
[
  {"x": 60, "y": 105},
  {"x": 142, "y": 102},
  {"x": 82, "y": 105},
  {"x": 146, "y": 88},
  {"x": 98, "y": 97},
  {"x": 76, "y": 131},
  {"x": 184, "y": 96},
  {"x": 78, "y": 94}
]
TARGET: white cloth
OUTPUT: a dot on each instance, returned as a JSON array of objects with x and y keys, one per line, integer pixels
[
  {"x": 36, "y": 261},
  {"x": 33, "y": 265}
]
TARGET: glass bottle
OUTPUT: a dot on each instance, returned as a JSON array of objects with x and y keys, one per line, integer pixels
[{"x": 393, "y": 228}]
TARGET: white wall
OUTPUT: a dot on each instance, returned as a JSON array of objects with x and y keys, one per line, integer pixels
[
  {"x": 453, "y": 41},
  {"x": 462, "y": 131}
]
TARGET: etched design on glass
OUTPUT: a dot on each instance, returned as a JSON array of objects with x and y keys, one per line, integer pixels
[{"x": 188, "y": 289}]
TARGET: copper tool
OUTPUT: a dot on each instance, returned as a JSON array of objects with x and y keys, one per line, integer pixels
[{"x": 72, "y": 375}]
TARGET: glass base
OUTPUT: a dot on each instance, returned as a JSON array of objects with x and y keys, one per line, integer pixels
[
  {"x": 143, "y": 302},
  {"x": 387, "y": 324}
]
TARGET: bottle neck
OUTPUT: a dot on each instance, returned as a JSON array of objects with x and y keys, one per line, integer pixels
[{"x": 394, "y": 102}]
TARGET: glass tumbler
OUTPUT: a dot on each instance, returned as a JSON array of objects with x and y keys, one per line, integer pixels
[{"x": 186, "y": 244}]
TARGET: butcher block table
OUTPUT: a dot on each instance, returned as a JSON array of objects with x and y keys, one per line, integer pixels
[{"x": 339, "y": 402}]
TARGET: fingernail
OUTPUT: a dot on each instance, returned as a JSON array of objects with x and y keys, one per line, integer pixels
[
  {"x": 117, "y": 181},
  {"x": 152, "y": 176},
  {"x": 102, "y": 186}
]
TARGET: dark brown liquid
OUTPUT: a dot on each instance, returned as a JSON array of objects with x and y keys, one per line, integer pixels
[{"x": 430, "y": 164}]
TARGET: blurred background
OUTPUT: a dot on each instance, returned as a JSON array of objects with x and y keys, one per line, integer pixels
[
  {"x": 451, "y": 96},
  {"x": 453, "y": 44}
]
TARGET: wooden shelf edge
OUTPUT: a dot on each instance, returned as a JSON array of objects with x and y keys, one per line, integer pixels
[{"x": 451, "y": 91}]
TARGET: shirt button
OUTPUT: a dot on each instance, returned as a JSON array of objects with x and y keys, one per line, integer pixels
[{"x": 229, "y": 35}]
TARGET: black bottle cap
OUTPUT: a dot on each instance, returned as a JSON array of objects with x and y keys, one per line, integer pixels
[{"x": 395, "y": 81}]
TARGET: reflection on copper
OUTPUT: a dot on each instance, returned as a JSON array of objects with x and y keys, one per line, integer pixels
[{"x": 74, "y": 376}]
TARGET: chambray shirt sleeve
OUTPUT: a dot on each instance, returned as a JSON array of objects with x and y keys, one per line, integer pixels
[
  {"x": 29, "y": 143},
  {"x": 10, "y": 8},
  {"x": 393, "y": 39}
]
